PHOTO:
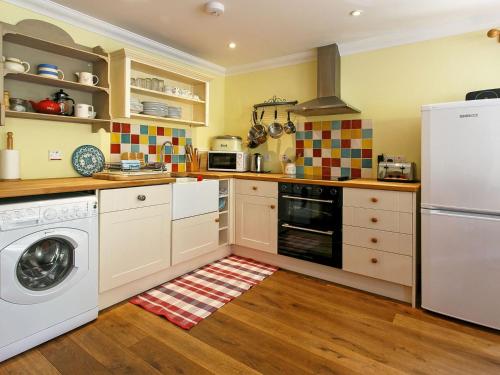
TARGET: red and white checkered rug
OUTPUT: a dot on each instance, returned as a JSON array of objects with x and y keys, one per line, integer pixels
[{"x": 188, "y": 299}]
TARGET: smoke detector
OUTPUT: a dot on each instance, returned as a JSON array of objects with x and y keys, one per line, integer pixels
[{"x": 214, "y": 8}]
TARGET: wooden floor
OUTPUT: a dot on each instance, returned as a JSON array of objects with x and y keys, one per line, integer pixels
[{"x": 288, "y": 324}]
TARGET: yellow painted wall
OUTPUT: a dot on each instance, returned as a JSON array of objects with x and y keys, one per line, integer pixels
[
  {"x": 35, "y": 138},
  {"x": 388, "y": 85}
]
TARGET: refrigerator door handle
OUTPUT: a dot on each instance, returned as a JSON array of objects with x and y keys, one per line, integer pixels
[{"x": 467, "y": 215}]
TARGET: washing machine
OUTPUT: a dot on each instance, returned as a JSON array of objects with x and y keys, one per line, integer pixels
[{"x": 48, "y": 268}]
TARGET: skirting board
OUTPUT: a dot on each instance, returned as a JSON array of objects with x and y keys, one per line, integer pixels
[
  {"x": 368, "y": 284},
  {"x": 133, "y": 288}
]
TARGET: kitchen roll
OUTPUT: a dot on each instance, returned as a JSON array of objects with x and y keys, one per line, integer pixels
[{"x": 9, "y": 165}]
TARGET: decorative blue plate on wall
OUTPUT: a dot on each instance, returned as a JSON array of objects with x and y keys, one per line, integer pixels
[{"x": 87, "y": 159}]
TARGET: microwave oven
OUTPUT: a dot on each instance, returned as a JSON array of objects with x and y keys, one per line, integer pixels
[{"x": 228, "y": 161}]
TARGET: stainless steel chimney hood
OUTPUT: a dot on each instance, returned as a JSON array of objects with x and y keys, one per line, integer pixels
[{"x": 328, "y": 101}]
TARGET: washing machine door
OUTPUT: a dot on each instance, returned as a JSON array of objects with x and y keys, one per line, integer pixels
[{"x": 43, "y": 265}]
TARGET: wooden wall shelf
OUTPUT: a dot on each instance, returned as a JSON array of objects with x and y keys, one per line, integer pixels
[
  {"x": 99, "y": 123},
  {"x": 167, "y": 119}
]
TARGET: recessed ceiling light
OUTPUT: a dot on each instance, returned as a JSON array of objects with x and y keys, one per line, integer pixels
[
  {"x": 356, "y": 13},
  {"x": 232, "y": 45}
]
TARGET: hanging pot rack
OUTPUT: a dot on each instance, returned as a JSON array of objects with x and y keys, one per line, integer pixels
[{"x": 275, "y": 101}]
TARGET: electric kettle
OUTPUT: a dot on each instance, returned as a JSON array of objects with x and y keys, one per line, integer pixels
[{"x": 257, "y": 163}]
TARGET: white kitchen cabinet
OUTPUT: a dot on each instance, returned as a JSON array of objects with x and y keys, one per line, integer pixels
[
  {"x": 194, "y": 236},
  {"x": 256, "y": 222}
]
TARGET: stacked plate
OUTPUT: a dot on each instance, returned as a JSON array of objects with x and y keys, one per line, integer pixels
[
  {"x": 155, "y": 109},
  {"x": 174, "y": 112},
  {"x": 135, "y": 105}
]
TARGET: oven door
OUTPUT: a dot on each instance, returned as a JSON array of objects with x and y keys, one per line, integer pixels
[
  {"x": 222, "y": 161},
  {"x": 310, "y": 213}
]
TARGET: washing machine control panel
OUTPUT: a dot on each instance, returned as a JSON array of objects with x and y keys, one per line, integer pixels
[{"x": 26, "y": 217}]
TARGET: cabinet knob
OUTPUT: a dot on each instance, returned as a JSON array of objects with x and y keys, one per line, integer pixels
[
  {"x": 374, "y": 260},
  {"x": 374, "y": 240},
  {"x": 217, "y": 220},
  {"x": 254, "y": 187},
  {"x": 374, "y": 200},
  {"x": 141, "y": 197},
  {"x": 374, "y": 220},
  {"x": 273, "y": 207}
]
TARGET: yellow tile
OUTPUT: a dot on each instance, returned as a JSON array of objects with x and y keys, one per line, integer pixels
[
  {"x": 366, "y": 143},
  {"x": 355, "y": 163},
  {"x": 336, "y": 153},
  {"x": 355, "y": 133},
  {"x": 326, "y": 125},
  {"x": 326, "y": 143},
  {"x": 182, "y": 141},
  {"x": 317, "y": 171},
  {"x": 168, "y": 132},
  {"x": 308, "y": 143},
  {"x": 345, "y": 133},
  {"x": 152, "y": 130},
  {"x": 317, "y": 125},
  {"x": 308, "y": 171},
  {"x": 181, "y": 167},
  {"x": 115, "y": 138},
  {"x": 158, "y": 149},
  {"x": 143, "y": 139},
  {"x": 176, "y": 150}
]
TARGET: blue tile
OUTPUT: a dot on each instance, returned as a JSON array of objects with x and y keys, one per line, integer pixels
[
  {"x": 135, "y": 148},
  {"x": 336, "y": 125},
  {"x": 168, "y": 150},
  {"x": 345, "y": 153},
  {"x": 182, "y": 132},
  {"x": 308, "y": 162},
  {"x": 125, "y": 138},
  {"x": 175, "y": 132},
  {"x": 335, "y": 143},
  {"x": 144, "y": 129},
  {"x": 299, "y": 135},
  {"x": 309, "y": 134},
  {"x": 366, "y": 163},
  {"x": 189, "y": 141},
  {"x": 182, "y": 158},
  {"x": 152, "y": 139},
  {"x": 355, "y": 153},
  {"x": 300, "y": 170},
  {"x": 317, "y": 143},
  {"x": 175, "y": 159},
  {"x": 345, "y": 172},
  {"x": 367, "y": 133}
]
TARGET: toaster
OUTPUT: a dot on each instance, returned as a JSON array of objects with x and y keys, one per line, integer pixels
[{"x": 396, "y": 172}]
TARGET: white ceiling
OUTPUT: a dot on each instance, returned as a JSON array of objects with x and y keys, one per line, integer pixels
[{"x": 267, "y": 29}]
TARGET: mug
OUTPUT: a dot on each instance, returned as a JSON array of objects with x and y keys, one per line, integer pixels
[
  {"x": 50, "y": 71},
  {"x": 13, "y": 64},
  {"x": 87, "y": 78},
  {"x": 84, "y": 110}
]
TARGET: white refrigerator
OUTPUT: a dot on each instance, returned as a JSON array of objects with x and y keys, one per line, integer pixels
[{"x": 460, "y": 209}]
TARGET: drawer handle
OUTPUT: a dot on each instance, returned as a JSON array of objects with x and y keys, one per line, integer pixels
[
  {"x": 374, "y": 200},
  {"x": 273, "y": 207},
  {"x": 374, "y": 240},
  {"x": 374, "y": 260},
  {"x": 217, "y": 220},
  {"x": 374, "y": 220},
  {"x": 141, "y": 197},
  {"x": 254, "y": 187}
]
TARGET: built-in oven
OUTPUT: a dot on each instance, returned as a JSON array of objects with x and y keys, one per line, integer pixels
[{"x": 310, "y": 223}]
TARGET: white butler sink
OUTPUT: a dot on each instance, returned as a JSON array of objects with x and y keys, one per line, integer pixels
[
  {"x": 191, "y": 197},
  {"x": 185, "y": 179}
]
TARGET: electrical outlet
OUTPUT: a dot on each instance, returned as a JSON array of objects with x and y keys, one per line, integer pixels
[{"x": 55, "y": 155}]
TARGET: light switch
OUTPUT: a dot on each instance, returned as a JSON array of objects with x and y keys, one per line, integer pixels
[{"x": 55, "y": 155}]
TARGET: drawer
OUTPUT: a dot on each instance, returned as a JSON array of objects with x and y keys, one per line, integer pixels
[
  {"x": 379, "y": 199},
  {"x": 395, "y": 268},
  {"x": 400, "y": 222},
  {"x": 378, "y": 240},
  {"x": 259, "y": 188},
  {"x": 134, "y": 197}
]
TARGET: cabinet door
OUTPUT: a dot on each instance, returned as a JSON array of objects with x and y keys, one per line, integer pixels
[
  {"x": 257, "y": 222},
  {"x": 133, "y": 244},
  {"x": 194, "y": 236}
]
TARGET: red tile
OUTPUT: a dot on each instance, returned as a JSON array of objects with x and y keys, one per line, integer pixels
[
  {"x": 168, "y": 158},
  {"x": 152, "y": 149},
  {"x": 299, "y": 144},
  {"x": 115, "y": 148},
  {"x": 356, "y": 124},
  {"x": 125, "y": 128},
  {"x": 366, "y": 153},
  {"x": 346, "y": 124},
  {"x": 175, "y": 167},
  {"x": 326, "y": 171},
  {"x": 134, "y": 139},
  {"x": 308, "y": 126},
  {"x": 335, "y": 162},
  {"x": 345, "y": 143},
  {"x": 160, "y": 130},
  {"x": 325, "y": 162},
  {"x": 175, "y": 141},
  {"x": 355, "y": 172},
  {"x": 326, "y": 134},
  {"x": 299, "y": 152},
  {"x": 116, "y": 127},
  {"x": 317, "y": 153}
]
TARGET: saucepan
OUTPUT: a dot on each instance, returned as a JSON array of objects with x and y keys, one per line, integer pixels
[{"x": 275, "y": 129}]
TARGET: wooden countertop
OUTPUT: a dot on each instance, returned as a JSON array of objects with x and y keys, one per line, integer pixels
[{"x": 9, "y": 189}]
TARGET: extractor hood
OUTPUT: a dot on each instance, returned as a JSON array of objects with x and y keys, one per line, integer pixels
[{"x": 328, "y": 101}]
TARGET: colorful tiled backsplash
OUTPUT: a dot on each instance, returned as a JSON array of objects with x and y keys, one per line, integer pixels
[
  {"x": 335, "y": 148},
  {"x": 148, "y": 140}
]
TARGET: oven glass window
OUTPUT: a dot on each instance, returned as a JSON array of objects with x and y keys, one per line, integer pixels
[
  {"x": 222, "y": 161},
  {"x": 314, "y": 215},
  {"x": 45, "y": 264},
  {"x": 305, "y": 245}
]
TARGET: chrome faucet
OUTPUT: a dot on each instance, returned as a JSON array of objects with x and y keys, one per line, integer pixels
[{"x": 162, "y": 154}]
